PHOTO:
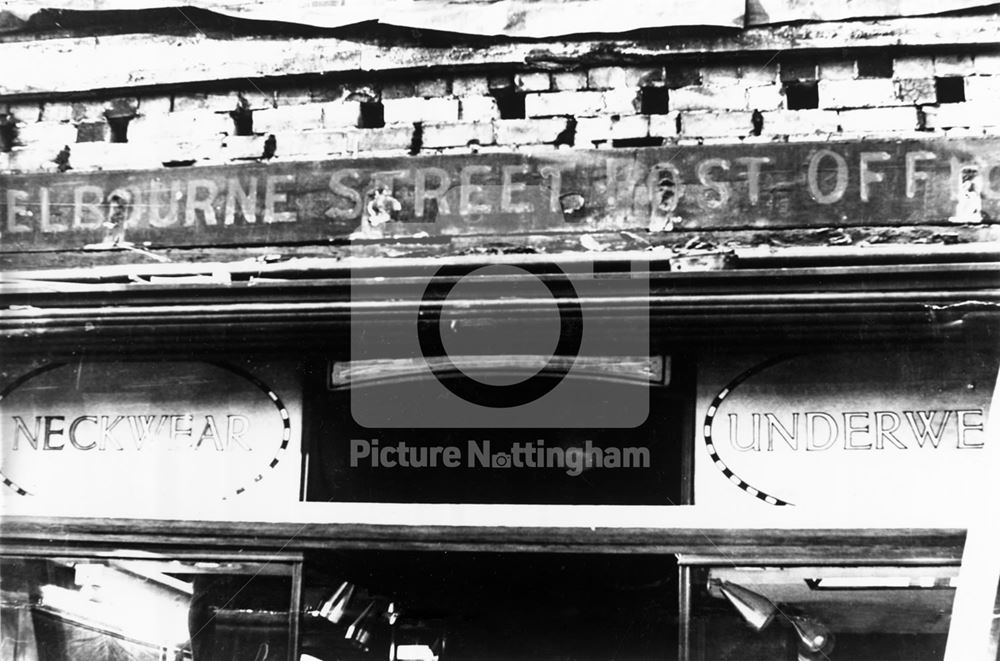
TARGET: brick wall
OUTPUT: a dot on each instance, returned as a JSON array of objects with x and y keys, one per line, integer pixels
[{"x": 879, "y": 95}]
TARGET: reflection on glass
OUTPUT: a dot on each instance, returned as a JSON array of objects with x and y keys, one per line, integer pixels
[
  {"x": 139, "y": 610},
  {"x": 821, "y": 613},
  {"x": 429, "y": 606}
]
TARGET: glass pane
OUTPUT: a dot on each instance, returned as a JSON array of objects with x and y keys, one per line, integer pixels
[
  {"x": 471, "y": 606},
  {"x": 822, "y": 613},
  {"x": 137, "y": 610},
  {"x": 456, "y": 463}
]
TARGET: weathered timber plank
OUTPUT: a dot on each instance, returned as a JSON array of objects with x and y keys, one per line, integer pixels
[
  {"x": 868, "y": 545},
  {"x": 56, "y": 66},
  {"x": 654, "y": 190},
  {"x": 847, "y": 245},
  {"x": 522, "y": 18},
  {"x": 545, "y": 18},
  {"x": 763, "y": 12}
]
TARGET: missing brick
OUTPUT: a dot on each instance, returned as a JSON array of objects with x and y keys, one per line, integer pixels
[
  {"x": 270, "y": 148},
  {"x": 756, "y": 123},
  {"x": 510, "y": 102},
  {"x": 626, "y": 143},
  {"x": 499, "y": 82},
  {"x": 372, "y": 115},
  {"x": 118, "y": 127},
  {"x": 417, "y": 141},
  {"x": 950, "y": 89},
  {"x": 875, "y": 66},
  {"x": 567, "y": 136},
  {"x": 802, "y": 95},
  {"x": 361, "y": 94},
  {"x": 62, "y": 160},
  {"x": 242, "y": 116},
  {"x": 799, "y": 69},
  {"x": 654, "y": 100},
  {"x": 682, "y": 76},
  {"x": 8, "y": 132},
  {"x": 922, "y": 119}
]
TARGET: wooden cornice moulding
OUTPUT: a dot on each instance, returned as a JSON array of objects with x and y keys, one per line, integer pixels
[
  {"x": 144, "y": 61},
  {"x": 873, "y": 546}
]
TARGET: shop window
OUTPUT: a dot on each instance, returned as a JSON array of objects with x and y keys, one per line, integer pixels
[
  {"x": 821, "y": 613},
  {"x": 471, "y": 606},
  {"x": 802, "y": 95},
  {"x": 348, "y": 604},
  {"x": 950, "y": 89},
  {"x": 57, "y": 609}
]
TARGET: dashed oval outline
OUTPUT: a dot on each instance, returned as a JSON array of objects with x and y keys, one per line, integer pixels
[
  {"x": 286, "y": 431},
  {"x": 17, "y": 383},
  {"x": 710, "y": 414}
]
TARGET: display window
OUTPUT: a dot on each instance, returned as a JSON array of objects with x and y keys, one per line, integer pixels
[
  {"x": 313, "y": 496},
  {"x": 822, "y": 612},
  {"x": 137, "y": 609}
]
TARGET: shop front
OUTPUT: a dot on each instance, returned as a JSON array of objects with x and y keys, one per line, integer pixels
[{"x": 575, "y": 455}]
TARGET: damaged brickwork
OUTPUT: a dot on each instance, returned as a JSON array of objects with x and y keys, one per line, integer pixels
[
  {"x": 611, "y": 100},
  {"x": 608, "y": 107}
]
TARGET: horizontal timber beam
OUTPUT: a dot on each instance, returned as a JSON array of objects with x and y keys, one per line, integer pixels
[
  {"x": 134, "y": 61},
  {"x": 845, "y": 545}
]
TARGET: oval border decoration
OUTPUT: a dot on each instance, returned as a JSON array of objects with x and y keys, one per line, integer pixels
[
  {"x": 286, "y": 430},
  {"x": 710, "y": 414},
  {"x": 17, "y": 383}
]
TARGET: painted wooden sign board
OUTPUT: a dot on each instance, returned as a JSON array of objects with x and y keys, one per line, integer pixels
[
  {"x": 149, "y": 435},
  {"x": 760, "y": 186},
  {"x": 854, "y": 429}
]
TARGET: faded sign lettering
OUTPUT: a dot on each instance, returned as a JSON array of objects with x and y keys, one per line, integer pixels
[
  {"x": 697, "y": 188},
  {"x": 847, "y": 427}
]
